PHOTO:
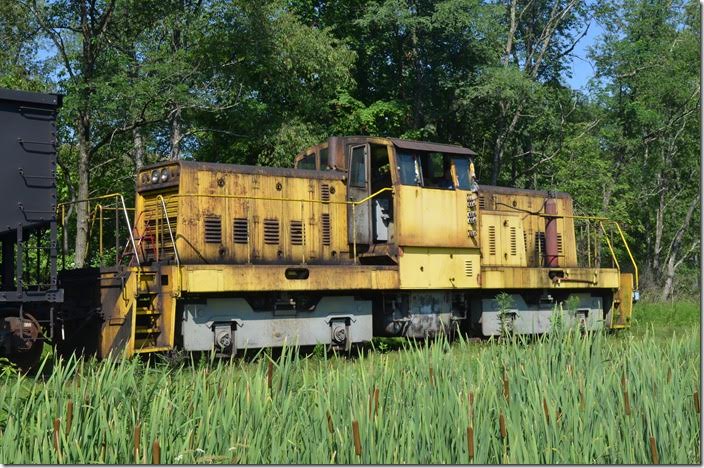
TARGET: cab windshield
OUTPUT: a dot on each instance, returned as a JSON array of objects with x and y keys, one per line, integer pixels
[{"x": 434, "y": 170}]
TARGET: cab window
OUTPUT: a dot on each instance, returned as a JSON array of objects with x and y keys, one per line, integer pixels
[
  {"x": 358, "y": 171},
  {"x": 437, "y": 172},
  {"x": 431, "y": 170},
  {"x": 408, "y": 169},
  {"x": 462, "y": 171},
  {"x": 323, "y": 159},
  {"x": 308, "y": 162}
]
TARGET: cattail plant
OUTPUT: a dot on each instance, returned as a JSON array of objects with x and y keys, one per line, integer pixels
[
  {"x": 126, "y": 403},
  {"x": 137, "y": 437},
  {"x": 69, "y": 416},
  {"x": 546, "y": 411},
  {"x": 654, "y": 451},
  {"x": 357, "y": 440},
  {"x": 156, "y": 453}
]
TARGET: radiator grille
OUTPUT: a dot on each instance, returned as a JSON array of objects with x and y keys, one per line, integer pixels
[
  {"x": 155, "y": 226},
  {"x": 296, "y": 232},
  {"x": 482, "y": 202},
  {"x": 514, "y": 241},
  {"x": 213, "y": 229},
  {"x": 492, "y": 240},
  {"x": 240, "y": 231},
  {"x": 271, "y": 231},
  {"x": 326, "y": 228},
  {"x": 468, "y": 268},
  {"x": 325, "y": 193},
  {"x": 559, "y": 244}
]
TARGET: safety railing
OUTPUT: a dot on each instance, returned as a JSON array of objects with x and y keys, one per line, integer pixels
[
  {"x": 593, "y": 232},
  {"x": 97, "y": 209},
  {"x": 173, "y": 242},
  {"x": 353, "y": 203}
]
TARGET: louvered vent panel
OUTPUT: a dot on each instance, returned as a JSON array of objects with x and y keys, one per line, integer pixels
[
  {"x": 492, "y": 240},
  {"x": 240, "y": 231},
  {"x": 514, "y": 241},
  {"x": 326, "y": 228},
  {"x": 155, "y": 226},
  {"x": 213, "y": 230},
  {"x": 559, "y": 244},
  {"x": 482, "y": 202},
  {"x": 325, "y": 193},
  {"x": 468, "y": 268},
  {"x": 271, "y": 231},
  {"x": 540, "y": 243},
  {"x": 296, "y": 232}
]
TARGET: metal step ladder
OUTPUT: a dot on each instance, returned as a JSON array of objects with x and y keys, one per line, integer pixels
[{"x": 147, "y": 310}]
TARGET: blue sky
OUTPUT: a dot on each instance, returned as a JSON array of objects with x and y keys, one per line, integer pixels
[{"x": 582, "y": 68}]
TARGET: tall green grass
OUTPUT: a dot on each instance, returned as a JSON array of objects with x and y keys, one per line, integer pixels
[{"x": 562, "y": 399}]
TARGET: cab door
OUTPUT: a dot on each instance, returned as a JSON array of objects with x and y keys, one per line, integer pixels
[{"x": 358, "y": 189}]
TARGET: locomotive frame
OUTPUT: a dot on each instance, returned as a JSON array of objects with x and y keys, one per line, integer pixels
[{"x": 365, "y": 236}]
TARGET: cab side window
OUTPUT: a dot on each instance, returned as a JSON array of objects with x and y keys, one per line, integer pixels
[
  {"x": 308, "y": 162},
  {"x": 462, "y": 171},
  {"x": 358, "y": 170},
  {"x": 381, "y": 174},
  {"x": 437, "y": 172},
  {"x": 323, "y": 159},
  {"x": 408, "y": 168}
]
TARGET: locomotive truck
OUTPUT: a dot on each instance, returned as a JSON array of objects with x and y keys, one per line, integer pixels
[{"x": 364, "y": 236}]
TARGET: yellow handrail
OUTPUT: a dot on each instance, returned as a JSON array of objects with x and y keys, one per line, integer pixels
[
  {"x": 601, "y": 219},
  {"x": 99, "y": 208},
  {"x": 303, "y": 200},
  {"x": 173, "y": 242},
  {"x": 353, "y": 203},
  {"x": 608, "y": 242},
  {"x": 630, "y": 255}
]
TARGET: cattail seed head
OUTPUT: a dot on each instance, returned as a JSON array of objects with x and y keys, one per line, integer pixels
[
  {"x": 57, "y": 426},
  {"x": 546, "y": 411},
  {"x": 357, "y": 440},
  {"x": 137, "y": 438},
  {"x": 331, "y": 428},
  {"x": 69, "y": 415},
  {"x": 696, "y": 402},
  {"x": 502, "y": 425},
  {"x": 156, "y": 453},
  {"x": 654, "y": 451}
]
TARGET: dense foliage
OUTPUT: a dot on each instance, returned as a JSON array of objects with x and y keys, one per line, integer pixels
[
  {"x": 256, "y": 81},
  {"x": 561, "y": 399}
]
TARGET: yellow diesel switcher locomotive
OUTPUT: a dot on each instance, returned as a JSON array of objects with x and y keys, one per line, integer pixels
[{"x": 364, "y": 237}]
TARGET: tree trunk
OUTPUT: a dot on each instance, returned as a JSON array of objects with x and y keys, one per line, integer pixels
[
  {"x": 176, "y": 133},
  {"x": 669, "y": 280},
  {"x": 659, "y": 224},
  {"x": 138, "y": 148},
  {"x": 675, "y": 246},
  {"x": 83, "y": 183}
]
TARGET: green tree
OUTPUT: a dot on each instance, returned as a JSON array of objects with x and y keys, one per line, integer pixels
[{"x": 650, "y": 86}]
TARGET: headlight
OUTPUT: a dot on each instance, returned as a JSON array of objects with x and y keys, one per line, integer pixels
[
  {"x": 164, "y": 175},
  {"x": 155, "y": 176}
]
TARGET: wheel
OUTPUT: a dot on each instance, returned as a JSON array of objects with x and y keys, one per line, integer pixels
[{"x": 23, "y": 345}]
